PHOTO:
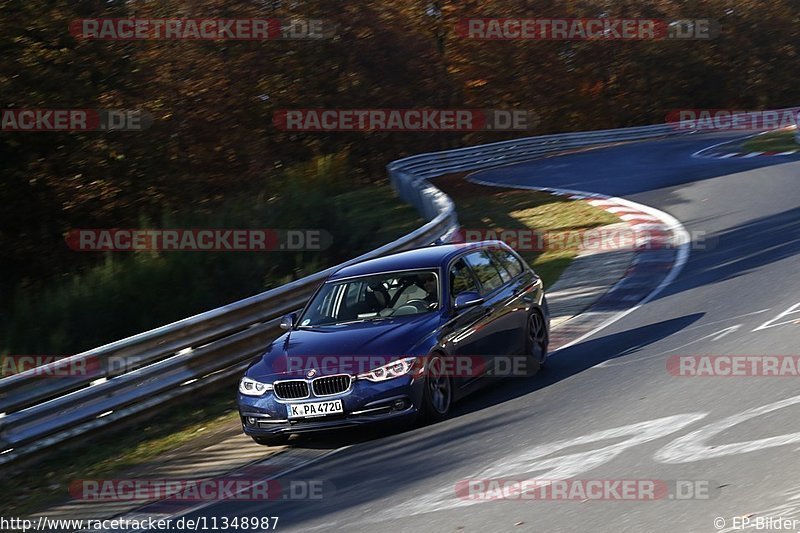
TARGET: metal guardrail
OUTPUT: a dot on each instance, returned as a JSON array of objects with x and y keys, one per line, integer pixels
[
  {"x": 430, "y": 165},
  {"x": 40, "y": 411},
  {"x": 132, "y": 375}
]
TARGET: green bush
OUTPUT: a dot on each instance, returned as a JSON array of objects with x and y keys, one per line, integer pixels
[{"x": 130, "y": 292}]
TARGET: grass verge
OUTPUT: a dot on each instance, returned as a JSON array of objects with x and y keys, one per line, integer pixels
[
  {"x": 774, "y": 141},
  {"x": 112, "y": 455},
  {"x": 491, "y": 208}
]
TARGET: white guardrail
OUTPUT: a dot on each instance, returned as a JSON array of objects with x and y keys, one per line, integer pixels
[{"x": 40, "y": 411}]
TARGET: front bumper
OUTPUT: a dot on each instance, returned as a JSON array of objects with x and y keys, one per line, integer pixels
[{"x": 365, "y": 403}]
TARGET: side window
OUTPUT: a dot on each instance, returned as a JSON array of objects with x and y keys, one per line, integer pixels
[
  {"x": 327, "y": 307},
  {"x": 461, "y": 279},
  {"x": 354, "y": 294},
  {"x": 481, "y": 262},
  {"x": 509, "y": 262}
]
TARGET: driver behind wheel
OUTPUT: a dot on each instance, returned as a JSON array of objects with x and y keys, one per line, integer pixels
[{"x": 427, "y": 282}]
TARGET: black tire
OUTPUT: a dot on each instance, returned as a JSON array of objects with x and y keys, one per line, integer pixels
[
  {"x": 438, "y": 394},
  {"x": 276, "y": 440},
  {"x": 536, "y": 339}
]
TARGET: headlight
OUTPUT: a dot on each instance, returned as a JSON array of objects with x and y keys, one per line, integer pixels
[
  {"x": 251, "y": 387},
  {"x": 392, "y": 370}
]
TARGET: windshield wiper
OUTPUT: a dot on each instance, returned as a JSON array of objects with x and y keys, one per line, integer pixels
[{"x": 357, "y": 321}]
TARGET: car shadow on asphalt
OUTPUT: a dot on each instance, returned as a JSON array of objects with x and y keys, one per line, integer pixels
[
  {"x": 561, "y": 365},
  {"x": 388, "y": 464},
  {"x": 575, "y": 359}
]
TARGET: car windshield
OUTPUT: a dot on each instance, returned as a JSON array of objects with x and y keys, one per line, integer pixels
[{"x": 373, "y": 297}]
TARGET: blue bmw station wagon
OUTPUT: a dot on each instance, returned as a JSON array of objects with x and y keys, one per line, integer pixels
[{"x": 378, "y": 339}]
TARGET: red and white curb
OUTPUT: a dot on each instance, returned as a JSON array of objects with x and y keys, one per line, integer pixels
[
  {"x": 742, "y": 155},
  {"x": 717, "y": 151},
  {"x": 656, "y": 264},
  {"x": 659, "y": 229}
]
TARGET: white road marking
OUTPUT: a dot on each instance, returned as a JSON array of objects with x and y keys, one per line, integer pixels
[
  {"x": 536, "y": 460},
  {"x": 771, "y": 323},
  {"x": 712, "y": 336},
  {"x": 725, "y": 331},
  {"x": 699, "y": 154},
  {"x": 706, "y": 324},
  {"x": 693, "y": 447},
  {"x": 688, "y": 448}
]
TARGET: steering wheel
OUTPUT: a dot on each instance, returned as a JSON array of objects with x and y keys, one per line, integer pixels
[{"x": 417, "y": 303}]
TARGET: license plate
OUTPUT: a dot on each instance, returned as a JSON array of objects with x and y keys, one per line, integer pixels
[{"x": 312, "y": 409}]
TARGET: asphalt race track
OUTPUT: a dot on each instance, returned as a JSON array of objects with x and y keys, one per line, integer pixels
[{"x": 608, "y": 408}]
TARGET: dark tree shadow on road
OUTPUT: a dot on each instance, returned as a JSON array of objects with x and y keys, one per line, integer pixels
[
  {"x": 561, "y": 365},
  {"x": 740, "y": 250},
  {"x": 393, "y": 464}
]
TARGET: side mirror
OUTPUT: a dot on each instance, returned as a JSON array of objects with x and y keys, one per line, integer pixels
[
  {"x": 287, "y": 322},
  {"x": 467, "y": 299}
]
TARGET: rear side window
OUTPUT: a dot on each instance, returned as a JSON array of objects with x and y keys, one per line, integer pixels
[
  {"x": 486, "y": 270},
  {"x": 504, "y": 275},
  {"x": 509, "y": 262},
  {"x": 461, "y": 279}
]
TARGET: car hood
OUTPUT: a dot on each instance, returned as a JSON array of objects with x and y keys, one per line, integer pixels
[{"x": 349, "y": 348}]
